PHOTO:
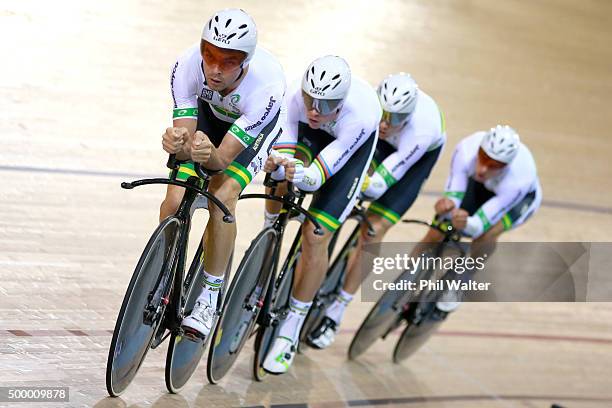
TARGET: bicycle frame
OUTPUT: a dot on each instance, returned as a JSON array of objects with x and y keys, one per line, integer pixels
[{"x": 174, "y": 284}]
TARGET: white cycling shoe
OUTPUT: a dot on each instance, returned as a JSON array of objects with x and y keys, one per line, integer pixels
[
  {"x": 323, "y": 335},
  {"x": 199, "y": 323},
  {"x": 280, "y": 356},
  {"x": 449, "y": 301}
]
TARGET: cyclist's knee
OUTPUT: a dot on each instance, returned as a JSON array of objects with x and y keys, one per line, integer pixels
[
  {"x": 380, "y": 226},
  {"x": 486, "y": 243},
  {"x": 312, "y": 239},
  {"x": 227, "y": 190},
  {"x": 171, "y": 202},
  {"x": 432, "y": 236}
]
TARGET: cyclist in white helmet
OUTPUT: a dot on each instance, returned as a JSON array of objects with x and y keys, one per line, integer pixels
[
  {"x": 227, "y": 94},
  {"x": 493, "y": 187},
  {"x": 412, "y": 134},
  {"x": 332, "y": 128}
]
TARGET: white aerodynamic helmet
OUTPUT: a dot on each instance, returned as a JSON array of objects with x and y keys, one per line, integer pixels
[
  {"x": 232, "y": 29},
  {"x": 501, "y": 143},
  {"x": 328, "y": 77},
  {"x": 398, "y": 93}
]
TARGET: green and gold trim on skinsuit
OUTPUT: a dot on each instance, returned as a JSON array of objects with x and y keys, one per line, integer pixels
[
  {"x": 239, "y": 173},
  {"x": 507, "y": 222},
  {"x": 225, "y": 112},
  {"x": 442, "y": 120},
  {"x": 455, "y": 194},
  {"x": 384, "y": 212},
  {"x": 374, "y": 164},
  {"x": 319, "y": 167},
  {"x": 386, "y": 175},
  {"x": 305, "y": 150},
  {"x": 185, "y": 113},
  {"x": 287, "y": 148},
  {"x": 241, "y": 135},
  {"x": 185, "y": 171},
  {"x": 485, "y": 221},
  {"x": 328, "y": 221}
]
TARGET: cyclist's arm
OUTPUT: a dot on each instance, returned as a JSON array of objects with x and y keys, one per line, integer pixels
[
  {"x": 491, "y": 212},
  {"x": 190, "y": 125},
  {"x": 249, "y": 127},
  {"x": 183, "y": 87},
  {"x": 395, "y": 166},
  {"x": 287, "y": 141},
  {"x": 334, "y": 156},
  {"x": 457, "y": 181}
]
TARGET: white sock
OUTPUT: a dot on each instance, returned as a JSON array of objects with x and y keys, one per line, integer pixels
[
  {"x": 336, "y": 310},
  {"x": 210, "y": 288},
  {"x": 269, "y": 219},
  {"x": 292, "y": 325}
]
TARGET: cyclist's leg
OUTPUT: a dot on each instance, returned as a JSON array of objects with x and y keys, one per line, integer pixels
[
  {"x": 388, "y": 210},
  {"x": 219, "y": 237},
  {"x": 382, "y": 214},
  {"x": 174, "y": 196},
  {"x": 516, "y": 216},
  {"x": 485, "y": 244},
  {"x": 331, "y": 206}
]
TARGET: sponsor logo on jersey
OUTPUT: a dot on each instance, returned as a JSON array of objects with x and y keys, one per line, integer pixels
[
  {"x": 207, "y": 94},
  {"x": 351, "y": 147},
  {"x": 235, "y": 98},
  {"x": 271, "y": 103},
  {"x": 403, "y": 161},
  {"x": 258, "y": 141},
  {"x": 353, "y": 187},
  {"x": 256, "y": 165}
]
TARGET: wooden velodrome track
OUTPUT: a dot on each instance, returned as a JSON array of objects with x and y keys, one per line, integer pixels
[{"x": 84, "y": 98}]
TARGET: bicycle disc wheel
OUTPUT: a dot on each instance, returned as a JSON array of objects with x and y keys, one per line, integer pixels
[
  {"x": 183, "y": 354},
  {"x": 266, "y": 334},
  {"x": 384, "y": 316},
  {"x": 414, "y": 336},
  {"x": 132, "y": 337},
  {"x": 241, "y": 306},
  {"x": 334, "y": 279}
]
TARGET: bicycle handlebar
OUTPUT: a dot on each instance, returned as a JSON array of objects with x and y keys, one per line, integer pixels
[
  {"x": 173, "y": 164},
  {"x": 445, "y": 228},
  {"x": 293, "y": 192}
]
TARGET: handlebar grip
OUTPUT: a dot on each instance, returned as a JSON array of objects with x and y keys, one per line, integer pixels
[
  {"x": 172, "y": 162},
  {"x": 200, "y": 171}
]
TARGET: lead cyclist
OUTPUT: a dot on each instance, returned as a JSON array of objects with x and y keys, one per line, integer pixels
[{"x": 227, "y": 95}]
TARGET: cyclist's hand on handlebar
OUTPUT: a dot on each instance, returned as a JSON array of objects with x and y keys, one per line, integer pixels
[
  {"x": 201, "y": 148},
  {"x": 444, "y": 205},
  {"x": 174, "y": 138},
  {"x": 459, "y": 218},
  {"x": 273, "y": 162},
  {"x": 294, "y": 170}
]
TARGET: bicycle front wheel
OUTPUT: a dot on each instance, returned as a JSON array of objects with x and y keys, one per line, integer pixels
[
  {"x": 133, "y": 334},
  {"x": 414, "y": 336},
  {"x": 184, "y": 355},
  {"x": 242, "y": 305},
  {"x": 384, "y": 317}
]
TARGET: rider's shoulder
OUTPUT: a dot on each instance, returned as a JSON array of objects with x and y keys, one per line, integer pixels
[
  {"x": 265, "y": 66},
  {"x": 361, "y": 103}
]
